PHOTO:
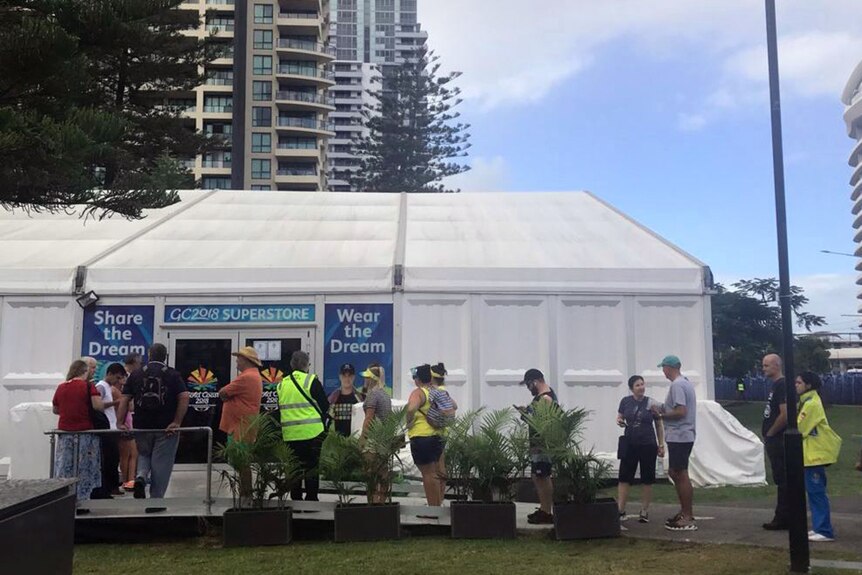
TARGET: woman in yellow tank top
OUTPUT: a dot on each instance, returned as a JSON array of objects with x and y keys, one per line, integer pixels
[{"x": 425, "y": 443}]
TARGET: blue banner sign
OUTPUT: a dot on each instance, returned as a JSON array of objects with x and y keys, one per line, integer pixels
[
  {"x": 111, "y": 332},
  {"x": 359, "y": 334},
  {"x": 240, "y": 313}
]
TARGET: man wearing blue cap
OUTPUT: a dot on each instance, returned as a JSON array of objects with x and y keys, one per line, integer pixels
[{"x": 678, "y": 414}]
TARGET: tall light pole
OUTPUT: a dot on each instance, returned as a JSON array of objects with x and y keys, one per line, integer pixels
[{"x": 799, "y": 554}]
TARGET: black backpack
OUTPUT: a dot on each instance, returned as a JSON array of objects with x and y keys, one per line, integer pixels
[{"x": 151, "y": 394}]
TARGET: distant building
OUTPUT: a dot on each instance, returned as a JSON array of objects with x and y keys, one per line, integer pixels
[
  {"x": 845, "y": 350},
  {"x": 265, "y": 98},
  {"x": 369, "y": 36},
  {"x": 852, "y": 98}
]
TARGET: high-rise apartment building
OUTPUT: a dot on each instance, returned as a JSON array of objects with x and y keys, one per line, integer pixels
[
  {"x": 369, "y": 36},
  {"x": 852, "y": 99},
  {"x": 265, "y": 97}
]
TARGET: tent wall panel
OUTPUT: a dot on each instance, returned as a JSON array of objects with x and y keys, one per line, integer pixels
[
  {"x": 36, "y": 348},
  {"x": 437, "y": 328}
]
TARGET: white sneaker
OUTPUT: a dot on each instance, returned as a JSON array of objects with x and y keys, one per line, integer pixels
[
  {"x": 812, "y": 532},
  {"x": 818, "y": 538}
]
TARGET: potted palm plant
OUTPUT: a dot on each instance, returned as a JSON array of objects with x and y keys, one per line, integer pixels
[
  {"x": 482, "y": 457},
  {"x": 579, "y": 512},
  {"x": 262, "y": 469},
  {"x": 371, "y": 459}
]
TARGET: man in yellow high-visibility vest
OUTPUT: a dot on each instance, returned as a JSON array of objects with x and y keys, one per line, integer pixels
[{"x": 302, "y": 406}]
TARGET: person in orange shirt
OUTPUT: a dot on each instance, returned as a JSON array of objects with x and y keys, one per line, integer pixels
[
  {"x": 241, "y": 405},
  {"x": 241, "y": 397}
]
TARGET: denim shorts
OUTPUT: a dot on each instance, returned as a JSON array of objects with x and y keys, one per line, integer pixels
[{"x": 426, "y": 450}]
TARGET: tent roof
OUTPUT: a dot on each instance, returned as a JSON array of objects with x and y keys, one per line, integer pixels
[{"x": 235, "y": 242}]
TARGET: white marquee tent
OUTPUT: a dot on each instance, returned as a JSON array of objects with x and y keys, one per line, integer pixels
[{"x": 491, "y": 284}]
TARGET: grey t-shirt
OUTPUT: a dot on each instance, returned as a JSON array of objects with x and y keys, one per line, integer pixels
[
  {"x": 681, "y": 392},
  {"x": 379, "y": 401}
]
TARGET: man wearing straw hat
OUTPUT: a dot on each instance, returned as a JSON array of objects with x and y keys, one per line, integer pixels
[
  {"x": 241, "y": 404},
  {"x": 241, "y": 397}
]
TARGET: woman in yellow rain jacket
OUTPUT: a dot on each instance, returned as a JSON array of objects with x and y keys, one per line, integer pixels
[{"x": 820, "y": 447}]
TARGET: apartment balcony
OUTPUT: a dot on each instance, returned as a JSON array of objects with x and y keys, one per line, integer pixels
[
  {"x": 216, "y": 167},
  {"x": 344, "y": 170},
  {"x": 218, "y": 85},
  {"x": 220, "y": 5},
  {"x": 216, "y": 163},
  {"x": 305, "y": 126},
  {"x": 857, "y": 191},
  {"x": 217, "y": 112},
  {"x": 186, "y": 112},
  {"x": 303, "y": 101},
  {"x": 853, "y": 117},
  {"x": 339, "y": 74},
  {"x": 300, "y": 23},
  {"x": 288, "y": 153},
  {"x": 297, "y": 177},
  {"x": 354, "y": 115},
  {"x": 856, "y": 155},
  {"x": 357, "y": 101},
  {"x": 220, "y": 141},
  {"x": 857, "y": 175},
  {"x": 320, "y": 52},
  {"x": 220, "y": 30},
  {"x": 304, "y": 75}
]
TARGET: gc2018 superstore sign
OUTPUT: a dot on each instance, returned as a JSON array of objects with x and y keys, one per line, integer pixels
[{"x": 239, "y": 313}]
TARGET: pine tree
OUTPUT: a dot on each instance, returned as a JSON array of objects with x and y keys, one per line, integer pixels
[
  {"x": 413, "y": 137},
  {"x": 83, "y": 88}
]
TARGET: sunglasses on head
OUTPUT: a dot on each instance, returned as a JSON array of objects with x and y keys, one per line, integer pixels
[{"x": 413, "y": 371}]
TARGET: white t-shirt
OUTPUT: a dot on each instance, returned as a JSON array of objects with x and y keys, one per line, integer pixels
[{"x": 105, "y": 391}]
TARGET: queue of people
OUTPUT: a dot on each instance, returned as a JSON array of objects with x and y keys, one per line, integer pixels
[
  {"x": 153, "y": 400},
  {"x": 129, "y": 397}
]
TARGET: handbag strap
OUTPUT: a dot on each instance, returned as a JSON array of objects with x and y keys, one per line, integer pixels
[
  {"x": 88, "y": 397},
  {"x": 637, "y": 413},
  {"x": 307, "y": 398}
]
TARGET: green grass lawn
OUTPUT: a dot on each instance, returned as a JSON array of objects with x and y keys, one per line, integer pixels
[
  {"x": 432, "y": 556},
  {"x": 529, "y": 554},
  {"x": 844, "y": 480}
]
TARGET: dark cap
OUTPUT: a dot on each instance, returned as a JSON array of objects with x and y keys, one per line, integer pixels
[
  {"x": 347, "y": 368},
  {"x": 532, "y": 375}
]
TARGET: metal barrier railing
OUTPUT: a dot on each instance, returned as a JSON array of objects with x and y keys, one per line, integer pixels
[{"x": 208, "y": 430}]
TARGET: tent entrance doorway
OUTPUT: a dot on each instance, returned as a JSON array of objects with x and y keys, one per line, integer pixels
[{"x": 204, "y": 361}]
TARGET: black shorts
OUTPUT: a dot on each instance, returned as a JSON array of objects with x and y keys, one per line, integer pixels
[
  {"x": 678, "y": 454},
  {"x": 540, "y": 465},
  {"x": 426, "y": 450},
  {"x": 643, "y": 456}
]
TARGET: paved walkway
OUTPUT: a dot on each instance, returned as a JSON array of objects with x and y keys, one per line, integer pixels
[{"x": 742, "y": 525}]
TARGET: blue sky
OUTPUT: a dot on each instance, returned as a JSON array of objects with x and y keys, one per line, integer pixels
[{"x": 666, "y": 115}]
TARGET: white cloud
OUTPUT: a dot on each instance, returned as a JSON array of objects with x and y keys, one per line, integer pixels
[
  {"x": 690, "y": 122},
  {"x": 486, "y": 175},
  {"x": 811, "y": 64},
  {"x": 834, "y": 297},
  {"x": 513, "y": 52}
]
